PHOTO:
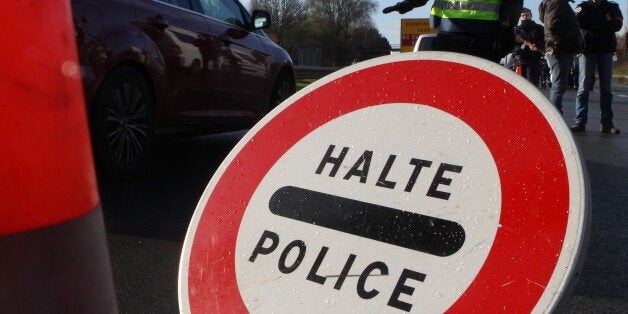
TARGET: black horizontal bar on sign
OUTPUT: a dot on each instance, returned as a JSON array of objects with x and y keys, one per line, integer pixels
[{"x": 409, "y": 230}]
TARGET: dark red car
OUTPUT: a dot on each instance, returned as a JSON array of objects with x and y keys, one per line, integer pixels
[{"x": 151, "y": 67}]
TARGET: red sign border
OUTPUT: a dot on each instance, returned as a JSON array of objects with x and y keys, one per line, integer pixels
[{"x": 528, "y": 243}]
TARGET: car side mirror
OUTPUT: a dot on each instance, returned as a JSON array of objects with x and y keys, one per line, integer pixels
[{"x": 261, "y": 19}]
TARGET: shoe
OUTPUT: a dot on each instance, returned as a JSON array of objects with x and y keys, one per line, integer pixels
[
  {"x": 609, "y": 129},
  {"x": 578, "y": 128}
]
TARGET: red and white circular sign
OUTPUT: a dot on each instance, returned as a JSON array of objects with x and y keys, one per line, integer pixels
[{"x": 404, "y": 183}]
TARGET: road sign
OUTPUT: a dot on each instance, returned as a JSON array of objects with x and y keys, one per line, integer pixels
[
  {"x": 405, "y": 183},
  {"x": 411, "y": 29}
]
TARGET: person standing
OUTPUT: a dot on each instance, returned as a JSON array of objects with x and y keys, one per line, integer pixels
[
  {"x": 482, "y": 28},
  {"x": 599, "y": 20},
  {"x": 562, "y": 42},
  {"x": 530, "y": 44}
]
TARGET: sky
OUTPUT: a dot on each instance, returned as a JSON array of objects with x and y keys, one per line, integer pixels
[{"x": 389, "y": 25}]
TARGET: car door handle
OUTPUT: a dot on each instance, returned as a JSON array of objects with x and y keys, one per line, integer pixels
[{"x": 158, "y": 21}]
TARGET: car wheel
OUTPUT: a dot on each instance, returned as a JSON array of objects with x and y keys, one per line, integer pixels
[
  {"x": 283, "y": 88},
  {"x": 122, "y": 124}
]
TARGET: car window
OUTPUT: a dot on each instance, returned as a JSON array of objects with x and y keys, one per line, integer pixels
[
  {"x": 224, "y": 10},
  {"x": 179, "y": 3}
]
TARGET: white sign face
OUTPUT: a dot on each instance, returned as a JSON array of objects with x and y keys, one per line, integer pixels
[{"x": 425, "y": 162}]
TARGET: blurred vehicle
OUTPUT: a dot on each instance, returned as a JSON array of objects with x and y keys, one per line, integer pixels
[
  {"x": 545, "y": 81},
  {"x": 157, "y": 67},
  {"x": 573, "y": 74},
  {"x": 424, "y": 42}
]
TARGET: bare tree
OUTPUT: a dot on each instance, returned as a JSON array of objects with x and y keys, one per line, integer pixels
[
  {"x": 369, "y": 43},
  {"x": 288, "y": 20},
  {"x": 335, "y": 26},
  {"x": 334, "y": 22}
]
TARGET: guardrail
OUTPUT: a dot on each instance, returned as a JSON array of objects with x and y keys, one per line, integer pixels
[{"x": 312, "y": 72}]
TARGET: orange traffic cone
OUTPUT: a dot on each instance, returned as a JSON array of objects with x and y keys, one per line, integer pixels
[{"x": 53, "y": 249}]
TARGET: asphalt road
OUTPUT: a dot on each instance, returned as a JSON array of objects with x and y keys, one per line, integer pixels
[{"x": 147, "y": 218}]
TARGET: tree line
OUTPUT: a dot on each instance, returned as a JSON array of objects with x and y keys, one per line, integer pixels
[{"x": 342, "y": 29}]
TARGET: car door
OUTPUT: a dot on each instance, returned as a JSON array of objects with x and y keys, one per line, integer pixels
[
  {"x": 176, "y": 32},
  {"x": 239, "y": 62}
]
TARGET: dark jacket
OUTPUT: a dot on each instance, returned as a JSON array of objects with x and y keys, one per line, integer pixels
[
  {"x": 562, "y": 34},
  {"x": 598, "y": 23},
  {"x": 532, "y": 33}
]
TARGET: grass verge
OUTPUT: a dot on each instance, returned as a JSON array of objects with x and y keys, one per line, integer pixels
[
  {"x": 304, "y": 82},
  {"x": 620, "y": 73},
  {"x": 621, "y": 69}
]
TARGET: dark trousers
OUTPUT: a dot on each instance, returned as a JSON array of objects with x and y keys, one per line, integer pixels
[
  {"x": 479, "y": 45},
  {"x": 530, "y": 70}
]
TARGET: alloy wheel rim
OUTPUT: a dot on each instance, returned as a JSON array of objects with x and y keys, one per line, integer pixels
[
  {"x": 283, "y": 90},
  {"x": 127, "y": 125}
]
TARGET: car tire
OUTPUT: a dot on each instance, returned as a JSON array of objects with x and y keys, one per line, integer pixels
[
  {"x": 283, "y": 88},
  {"x": 122, "y": 124}
]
